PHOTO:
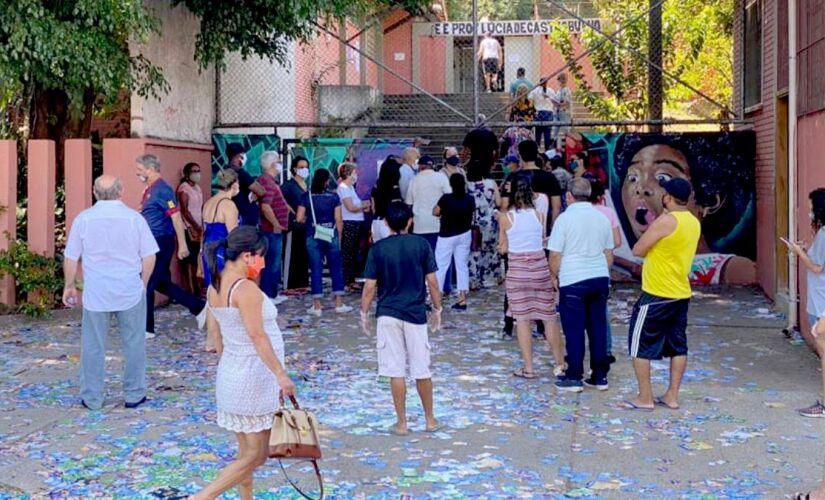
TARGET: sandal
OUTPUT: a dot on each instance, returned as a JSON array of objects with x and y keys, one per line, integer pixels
[
  {"x": 802, "y": 496},
  {"x": 661, "y": 402},
  {"x": 522, "y": 373}
]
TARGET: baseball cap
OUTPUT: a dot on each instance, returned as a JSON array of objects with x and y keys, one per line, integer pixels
[
  {"x": 679, "y": 189},
  {"x": 426, "y": 160},
  {"x": 510, "y": 159}
]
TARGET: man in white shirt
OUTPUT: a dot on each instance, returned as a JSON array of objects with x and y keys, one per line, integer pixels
[
  {"x": 563, "y": 102},
  {"x": 581, "y": 253},
  {"x": 408, "y": 169},
  {"x": 425, "y": 190},
  {"x": 118, "y": 254}
]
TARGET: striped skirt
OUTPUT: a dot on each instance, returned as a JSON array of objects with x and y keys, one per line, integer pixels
[{"x": 531, "y": 292}]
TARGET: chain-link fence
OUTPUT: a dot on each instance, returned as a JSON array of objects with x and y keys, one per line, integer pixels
[{"x": 567, "y": 66}]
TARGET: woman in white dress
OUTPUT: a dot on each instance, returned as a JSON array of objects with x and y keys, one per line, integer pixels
[{"x": 251, "y": 369}]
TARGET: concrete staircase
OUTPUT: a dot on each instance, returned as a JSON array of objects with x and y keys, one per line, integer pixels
[{"x": 423, "y": 114}]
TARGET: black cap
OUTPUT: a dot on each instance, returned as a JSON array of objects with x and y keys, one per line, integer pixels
[
  {"x": 426, "y": 160},
  {"x": 233, "y": 150},
  {"x": 679, "y": 189}
]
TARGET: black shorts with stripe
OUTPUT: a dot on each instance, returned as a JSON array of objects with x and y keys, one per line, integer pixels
[{"x": 658, "y": 328}]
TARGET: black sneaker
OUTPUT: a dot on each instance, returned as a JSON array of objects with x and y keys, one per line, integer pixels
[
  {"x": 569, "y": 385},
  {"x": 600, "y": 384},
  {"x": 135, "y": 405}
]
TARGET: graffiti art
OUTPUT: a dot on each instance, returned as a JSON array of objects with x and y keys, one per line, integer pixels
[
  {"x": 719, "y": 166},
  {"x": 254, "y": 144}
]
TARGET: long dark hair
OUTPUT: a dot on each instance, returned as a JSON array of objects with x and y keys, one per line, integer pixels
[
  {"x": 320, "y": 181},
  {"x": 521, "y": 192},
  {"x": 817, "y": 197},
  {"x": 241, "y": 239}
]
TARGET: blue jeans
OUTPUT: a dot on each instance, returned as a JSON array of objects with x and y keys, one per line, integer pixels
[
  {"x": 318, "y": 250},
  {"x": 271, "y": 273},
  {"x": 432, "y": 239},
  {"x": 542, "y": 131},
  {"x": 94, "y": 329},
  {"x": 582, "y": 308}
]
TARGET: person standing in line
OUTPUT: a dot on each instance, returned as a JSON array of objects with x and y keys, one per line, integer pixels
[
  {"x": 386, "y": 191},
  {"x": 531, "y": 291},
  {"x": 814, "y": 262},
  {"x": 251, "y": 372},
  {"x": 160, "y": 209},
  {"x": 190, "y": 195},
  {"x": 294, "y": 190},
  {"x": 401, "y": 268},
  {"x": 456, "y": 210},
  {"x": 523, "y": 109},
  {"x": 425, "y": 190},
  {"x": 581, "y": 253},
  {"x": 353, "y": 208},
  {"x": 274, "y": 221},
  {"x": 490, "y": 55},
  {"x": 542, "y": 97},
  {"x": 322, "y": 208},
  {"x": 519, "y": 81},
  {"x": 597, "y": 199},
  {"x": 250, "y": 192},
  {"x": 563, "y": 102},
  {"x": 452, "y": 163},
  {"x": 408, "y": 170},
  {"x": 658, "y": 326},
  {"x": 117, "y": 250}
]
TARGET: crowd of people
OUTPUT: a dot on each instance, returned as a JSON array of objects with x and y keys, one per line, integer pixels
[{"x": 544, "y": 232}]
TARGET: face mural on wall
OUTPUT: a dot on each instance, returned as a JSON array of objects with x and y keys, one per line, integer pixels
[{"x": 719, "y": 166}]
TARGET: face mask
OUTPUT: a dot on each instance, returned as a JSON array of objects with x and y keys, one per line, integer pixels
[
  {"x": 243, "y": 160},
  {"x": 354, "y": 178},
  {"x": 453, "y": 161},
  {"x": 303, "y": 173},
  {"x": 254, "y": 269},
  {"x": 143, "y": 178},
  {"x": 196, "y": 178},
  {"x": 811, "y": 215}
]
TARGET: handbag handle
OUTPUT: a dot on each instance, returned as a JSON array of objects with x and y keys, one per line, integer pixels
[
  {"x": 295, "y": 486},
  {"x": 291, "y": 398}
]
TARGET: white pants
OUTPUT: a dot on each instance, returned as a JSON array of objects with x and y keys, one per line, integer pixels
[
  {"x": 458, "y": 248},
  {"x": 380, "y": 230}
]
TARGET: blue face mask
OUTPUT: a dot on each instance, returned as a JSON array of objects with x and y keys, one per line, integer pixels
[{"x": 453, "y": 161}]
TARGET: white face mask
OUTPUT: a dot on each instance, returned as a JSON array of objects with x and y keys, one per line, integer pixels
[
  {"x": 354, "y": 178},
  {"x": 303, "y": 173},
  {"x": 143, "y": 178},
  {"x": 811, "y": 215},
  {"x": 243, "y": 160},
  {"x": 196, "y": 178}
]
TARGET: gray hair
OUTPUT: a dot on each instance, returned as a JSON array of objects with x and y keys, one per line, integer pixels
[
  {"x": 580, "y": 189},
  {"x": 269, "y": 159},
  {"x": 105, "y": 193},
  {"x": 149, "y": 161}
]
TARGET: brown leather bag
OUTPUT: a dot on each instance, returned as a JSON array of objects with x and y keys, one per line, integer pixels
[{"x": 294, "y": 436}]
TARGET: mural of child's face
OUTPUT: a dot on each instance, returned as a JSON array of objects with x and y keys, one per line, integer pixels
[{"x": 642, "y": 192}]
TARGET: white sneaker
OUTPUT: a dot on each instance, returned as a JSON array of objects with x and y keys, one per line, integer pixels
[
  {"x": 343, "y": 309},
  {"x": 280, "y": 299},
  {"x": 150, "y": 335},
  {"x": 314, "y": 312}
]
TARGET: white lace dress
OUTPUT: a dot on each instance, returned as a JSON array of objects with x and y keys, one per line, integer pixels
[{"x": 246, "y": 390}]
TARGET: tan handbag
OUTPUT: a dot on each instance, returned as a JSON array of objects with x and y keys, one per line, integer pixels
[{"x": 294, "y": 436}]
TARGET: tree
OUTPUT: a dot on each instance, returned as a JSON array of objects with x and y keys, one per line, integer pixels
[{"x": 697, "y": 47}]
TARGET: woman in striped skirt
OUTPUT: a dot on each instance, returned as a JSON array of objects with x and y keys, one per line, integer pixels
[{"x": 531, "y": 290}]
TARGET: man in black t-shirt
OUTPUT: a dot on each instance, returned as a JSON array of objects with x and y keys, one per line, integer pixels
[
  {"x": 398, "y": 268},
  {"x": 542, "y": 181},
  {"x": 247, "y": 208}
]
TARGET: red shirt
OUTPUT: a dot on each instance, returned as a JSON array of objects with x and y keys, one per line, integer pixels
[{"x": 275, "y": 199}]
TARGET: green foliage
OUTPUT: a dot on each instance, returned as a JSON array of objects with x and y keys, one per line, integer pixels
[
  {"x": 37, "y": 278},
  {"x": 697, "y": 47},
  {"x": 265, "y": 27},
  {"x": 494, "y": 10},
  {"x": 76, "y": 45}
]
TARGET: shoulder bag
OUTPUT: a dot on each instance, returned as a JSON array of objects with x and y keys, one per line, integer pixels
[
  {"x": 321, "y": 233},
  {"x": 294, "y": 436}
]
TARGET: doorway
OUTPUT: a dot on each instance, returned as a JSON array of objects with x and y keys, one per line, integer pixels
[
  {"x": 781, "y": 199},
  {"x": 463, "y": 64}
]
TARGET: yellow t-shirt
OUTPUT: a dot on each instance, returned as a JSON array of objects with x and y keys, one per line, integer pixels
[{"x": 667, "y": 264}]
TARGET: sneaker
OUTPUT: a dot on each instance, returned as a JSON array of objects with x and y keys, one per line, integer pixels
[
  {"x": 343, "y": 309},
  {"x": 136, "y": 404},
  {"x": 559, "y": 371},
  {"x": 569, "y": 385},
  {"x": 600, "y": 384},
  {"x": 278, "y": 300},
  {"x": 314, "y": 312},
  {"x": 504, "y": 334},
  {"x": 817, "y": 410},
  {"x": 150, "y": 335}
]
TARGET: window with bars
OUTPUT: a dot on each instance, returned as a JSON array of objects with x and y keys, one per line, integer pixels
[
  {"x": 811, "y": 56},
  {"x": 753, "y": 54}
]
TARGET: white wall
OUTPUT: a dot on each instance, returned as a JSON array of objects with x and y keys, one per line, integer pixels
[
  {"x": 187, "y": 112},
  {"x": 518, "y": 53}
]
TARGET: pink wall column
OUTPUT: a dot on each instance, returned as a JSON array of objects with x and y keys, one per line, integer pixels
[
  {"x": 40, "y": 211},
  {"x": 8, "y": 210},
  {"x": 78, "y": 175},
  {"x": 433, "y": 55},
  {"x": 119, "y": 160}
]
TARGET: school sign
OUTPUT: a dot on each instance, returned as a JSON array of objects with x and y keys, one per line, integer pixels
[{"x": 511, "y": 28}]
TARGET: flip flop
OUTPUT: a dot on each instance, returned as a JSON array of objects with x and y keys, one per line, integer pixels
[
  {"x": 395, "y": 432},
  {"x": 435, "y": 429},
  {"x": 521, "y": 373},
  {"x": 661, "y": 402},
  {"x": 631, "y": 406}
]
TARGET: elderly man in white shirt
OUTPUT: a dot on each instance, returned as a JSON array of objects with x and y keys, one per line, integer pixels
[
  {"x": 408, "y": 170},
  {"x": 117, "y": 251}
]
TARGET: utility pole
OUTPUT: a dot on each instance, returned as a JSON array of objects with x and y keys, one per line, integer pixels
[{"x": 655, "y": 92}]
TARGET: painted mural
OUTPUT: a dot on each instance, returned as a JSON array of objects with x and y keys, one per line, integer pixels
[
  {"x": 721, "y": 168},
  {"x": 255, "y": 145},
  {"x": 366, "y": 153}
]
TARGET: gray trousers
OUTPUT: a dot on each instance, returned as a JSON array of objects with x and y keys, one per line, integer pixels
[{"x": 95, "y": 327}]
